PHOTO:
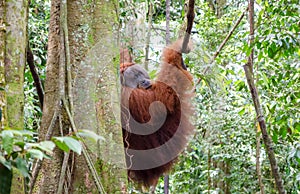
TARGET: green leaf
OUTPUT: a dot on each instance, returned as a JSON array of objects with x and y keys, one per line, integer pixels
[
  {"x": 270, "y": 52},
  {"x": 73, "y": 144},
  {"x": 275, "y": 137},
  {"x": 260, "y": 56},
  {"x": 60, "y": 144},
  {"x": 242, "y": 111},
  {"x": 21, "y": 144},
  {"x": 37, "y": 154},
  {"x": 7, "y": 141},
  {"x": 283, "y": 131},
  {"x": 22, "y": 166},
  {"x": 6, "y": 163},
  {"x": 67, "y": 143},
  {"x": 47, "y": 146},
  {"x": 91, "y": 135}
]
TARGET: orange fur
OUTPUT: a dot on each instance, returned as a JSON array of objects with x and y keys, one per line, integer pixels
[
  {"x": 125, "y": 56},
  {"x": 123, "y": 66},
  {"x": 172, "y": 89}
]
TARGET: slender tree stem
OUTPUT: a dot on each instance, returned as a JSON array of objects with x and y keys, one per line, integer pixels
[
  {"x": 35, "y": 76},
  {"x": 190, "y": 20},
  {"x": 150, "y": 13},
  {"x": 168, "y": 22},
  {"x": 258, "y": 169},
  {"x": 248, "y": 68}
]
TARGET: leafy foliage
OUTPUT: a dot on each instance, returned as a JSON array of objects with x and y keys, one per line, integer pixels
[
  {"x": 222, "y": 155},
  {"x": 38, "y": 21},
  {"x": 18, "y": 149}
]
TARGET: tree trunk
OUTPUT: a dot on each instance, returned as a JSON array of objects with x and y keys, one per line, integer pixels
[
  {"x": 95, "y": 80},
  {"x": 12, "y": 62},
  {"x": 81, "y": 34},
  {"x": 3, "y": 120},
  {"x": 5, "y": 173},
  {"x": 49, "y": 177},
  {"x": 15, "y": 58}
]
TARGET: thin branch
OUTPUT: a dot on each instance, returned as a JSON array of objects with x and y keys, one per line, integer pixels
[
  {"x": 208, "y": 170},
  {"x": 251, "y": 33},
  {"x": 258, "y": 148},
  {"x": 248, "y": 68},
  {"x": 166, "y": 177},
  {"x": 35, "y": 76},
  {"x": 229, "y": 35},
  {"x": 67, "y": 52},
  {"x": 63, "y": 173},
  {"x": 262, "y": 123},
  {"x": 168, "y": 22},
  {"x": 258, "y": 169},
  {"x": 222, "y": 45},
  {"x": 65, "y": 161},
  {"x": 166, "y": 184},
  {"x": 150, "y": 13},
  {"x": 190, "y": 19}
]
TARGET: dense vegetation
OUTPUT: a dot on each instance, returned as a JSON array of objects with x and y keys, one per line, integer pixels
[
  {"x": 227, "y": 148},
  {"x": 222, "y": 155}
]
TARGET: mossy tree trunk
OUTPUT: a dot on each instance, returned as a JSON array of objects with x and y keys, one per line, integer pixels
[
  {"x": 2, "y": 63},
  {"x": 93, "y": 47},
  {"x": 13, "y": 31},
  {"x": 79, "y": 33}
]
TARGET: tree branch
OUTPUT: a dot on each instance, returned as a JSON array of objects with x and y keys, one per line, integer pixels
[
  {"x": 166, "y": 177},
  {"x": 168, "y": 22},
  {"x": 150, "y": 13},
  {"x": 190, "y": 19},
  {"x": 35, "y": 76},
  {"x": 229, "y": 35},
  {"x": 222, "y": 44},
  {"x": 248, "y": 68}
]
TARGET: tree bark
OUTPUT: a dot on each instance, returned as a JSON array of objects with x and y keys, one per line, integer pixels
[
  {"x": 258, "y": 169},
  {"x": 50, "y": 169},
  {"x": 3, "y": 120},
  {"x": 95, "y": 82},
  {"x": 70, "y": 94},
  {"x": 15, "y": 58},
  {"x": 168, "y": 22},
  {"x": 14, "y": 13},
  {"x": 150, "y": 12}
]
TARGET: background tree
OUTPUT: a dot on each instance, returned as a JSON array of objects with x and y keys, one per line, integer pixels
[
  {"x": 71, "y": 58},
  {"x": 13, "y": 27}
]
